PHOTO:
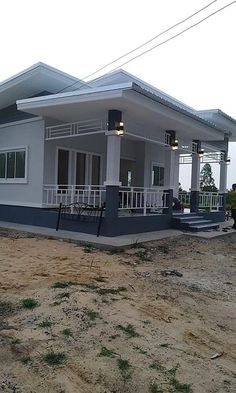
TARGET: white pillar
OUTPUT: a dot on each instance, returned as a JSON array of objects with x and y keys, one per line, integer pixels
[
  {"x": 195, "y": 175},
  {"x": 223, "y": 177},
  {"x": 113, "y": 159},
  {"x": 176, "y": 176},
  {"x": 169, "y": 171}
]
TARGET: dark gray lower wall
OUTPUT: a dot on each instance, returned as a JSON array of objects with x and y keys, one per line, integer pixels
[
  {"x": 48, "y": 218},
  {"x": 128, "y": 225}
]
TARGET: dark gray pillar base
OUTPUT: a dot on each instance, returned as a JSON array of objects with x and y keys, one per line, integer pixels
[
  {"x": 112, "y": 206},
  {"x": 194, "y": 201}
]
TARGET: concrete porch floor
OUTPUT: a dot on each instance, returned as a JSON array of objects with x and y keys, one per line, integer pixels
[{"x": 113, "y": 242}]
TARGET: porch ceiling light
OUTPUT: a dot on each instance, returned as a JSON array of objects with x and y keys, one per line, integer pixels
[
  {"x": 201, "y": 152},
  {"x": 175, "y": 144},
  {"x": 120, "y": 128}
]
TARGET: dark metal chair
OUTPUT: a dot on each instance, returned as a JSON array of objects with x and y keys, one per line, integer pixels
[{"x": 82, "y": 212}]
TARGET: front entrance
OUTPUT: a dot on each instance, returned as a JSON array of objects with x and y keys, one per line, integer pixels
[
  {"x": 127, "y": 172},
  {"x": 79, "y": 168}
]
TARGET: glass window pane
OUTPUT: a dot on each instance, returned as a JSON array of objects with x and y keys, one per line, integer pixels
[
  {"x": 2, "y": 165},
  {"x": 161, "y": 176},
  {"x": 157, "y": 176},
  {"x": 80, "y": 168},
  {"x": 96, "y": 165},
  {"x": 11, "y": 165},
  {"x": 63, "y": 166},
  {"x": 20, "y": 164}
]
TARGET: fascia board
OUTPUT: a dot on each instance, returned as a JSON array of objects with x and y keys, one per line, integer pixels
[
  {"x": 34, "y": 69},
  {"x": 73, "y": 97}
]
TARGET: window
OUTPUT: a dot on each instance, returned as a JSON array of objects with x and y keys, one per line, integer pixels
[
  {"x": 12, "y": 165},
  {"x": 80, "y": 168},
  {"x": 157, "y": 175},
  {"x": 96, "y": 168},
  {"x": 63, "y": 166}
]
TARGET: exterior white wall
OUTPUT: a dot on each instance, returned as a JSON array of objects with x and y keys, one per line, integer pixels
[
  {"x": 153, "y": 153},
  {"x": 21, "y": 134}
]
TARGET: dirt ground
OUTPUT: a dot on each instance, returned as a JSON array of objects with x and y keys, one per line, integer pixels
[{"x": 109, "y": 322}]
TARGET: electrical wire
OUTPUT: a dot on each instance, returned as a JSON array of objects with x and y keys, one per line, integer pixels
[
  {"x": 157, "y": 45},
  {"x": 150, "y": 40}
]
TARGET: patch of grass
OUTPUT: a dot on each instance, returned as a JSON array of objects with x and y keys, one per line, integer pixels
[
  {"x": 15, "y": 341},
  {"x": 154, "y": 388},
  {"x": 165, "y": 345},
  {"x": 63, "y": 284},
  {"x": 140, "y": 350},
  {"x": 114, "y": 336},
  {"x": 91, "y": 286},
  {"x": 115, "y": 251},
  {"x": 129, "y": 330},
  {"x": 143, "y": 255},
  {"x": 180, "y": 387},
  {"x": 91, "y": 314},
  {"x": 164, "y": 248},
  {"x": 45, "y": 324},
  {"x": 100, "y": 279},
  {"x": 135, "y": 244},
  {"x": 112, "y": 291},
  {"x": 173, "y": 370},
  {"x": 63, "y": 295},
  {"x": 156, "y": 366},
  {"x": 88, "y": 249},
  {"x": 29, "y": 303},
  {"x": 106, "y": 352},
  {"x": 125, "y": 368},
  {"x": 54, "y": 358},
  {"x": 67, "y": 332},
  {"x": 25, "y": 360}
]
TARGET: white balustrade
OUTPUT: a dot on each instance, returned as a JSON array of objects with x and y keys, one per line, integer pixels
[
  {"x": 93, "y": 195},
  {"x": 147, "y": 199},
  {"x": 211, "y": 201}
]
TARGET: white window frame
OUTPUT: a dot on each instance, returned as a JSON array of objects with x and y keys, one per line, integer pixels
[
  {"x": 15, "y": 180},
  {"x": 88, "y": 165},
  {"x": 159, "y": 164}
]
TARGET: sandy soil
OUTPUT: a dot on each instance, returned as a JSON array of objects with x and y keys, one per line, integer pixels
[{"x": 118, "y": 324}]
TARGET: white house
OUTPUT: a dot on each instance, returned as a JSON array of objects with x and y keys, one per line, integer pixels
[{"x": 116, "y": 140}]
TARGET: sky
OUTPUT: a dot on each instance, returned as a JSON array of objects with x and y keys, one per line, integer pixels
[{"x": 78, "y": 37}]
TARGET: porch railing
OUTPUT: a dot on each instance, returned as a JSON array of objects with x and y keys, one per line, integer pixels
[
  {"x": 83, "y": 127},
  {"x": 54, "y": 194},
  {"x": 184, "y": 198},
  {"x": 210, "y": 201},
  {"x": 149, "y": 200}
]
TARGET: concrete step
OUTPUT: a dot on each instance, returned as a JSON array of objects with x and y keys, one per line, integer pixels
[
  {"x": 185, "y": 219},
  {"x": 196, "y": 222},
  {"x": 203, "y": 227}
]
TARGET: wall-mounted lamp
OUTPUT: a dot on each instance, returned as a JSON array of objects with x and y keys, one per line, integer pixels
[
  {"x": 120, "y": 128},
  {"x": 174, "y": 144},
  {"x": 227, "y": 160},
  {"x": 200, "y": 152}
]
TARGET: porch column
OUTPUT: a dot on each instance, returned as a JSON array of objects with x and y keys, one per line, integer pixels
[
  {"x": 169, "y": 177},
  {"x": 176, "y": 176},
  {"x": 112, "y": 181},
  {"x": 223, "y": 183},
  {"x": 195, "y": 183}
]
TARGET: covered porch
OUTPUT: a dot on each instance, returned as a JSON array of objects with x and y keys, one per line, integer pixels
[{"x": 126, "y": 158}]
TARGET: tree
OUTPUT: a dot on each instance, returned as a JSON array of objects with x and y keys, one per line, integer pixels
[{"x": 207, "y": 182}]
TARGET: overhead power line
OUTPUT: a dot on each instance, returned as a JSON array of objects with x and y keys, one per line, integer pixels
[
  {"x": 150, "y": 40},
  {"x": 174, "y": 36},
  {"x": 159, "y": 44}
]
